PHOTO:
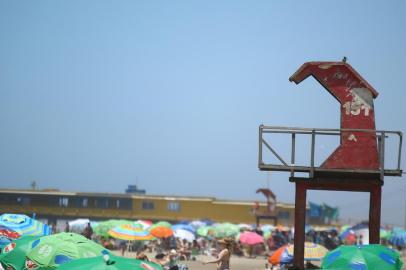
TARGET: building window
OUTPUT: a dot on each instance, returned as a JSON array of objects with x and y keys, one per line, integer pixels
[
  {"x": 283, "y": 215},
  {"x": 26, "y": 201},
  {"x": 174, "y": 206},
  {"x": 85, "y": 202},
  {"x": 19, "y": 200},
  {"x": 147, "y": 205},
  {"x": 104, "y": 203},
  {"x": 117, "y": 203},
  {"x": 63, "y": 201}
]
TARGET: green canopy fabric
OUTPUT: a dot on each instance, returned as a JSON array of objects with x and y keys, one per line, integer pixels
[
  {"x": 109, "y": 262},
  {"x": 384, "y": 234},
  {"x": 160, "y": 224},
  {"x": 364, "y": 257},
  {"x": 13, "y": 255},
  {"x": 57, "y": 249},
  {"x": 225, "y": 230},
  {"x": 204, "y": 230},
  {"x": 103, "y": 227}
]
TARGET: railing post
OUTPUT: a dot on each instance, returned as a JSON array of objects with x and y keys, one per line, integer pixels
[
  {"x": 292, "y": 157},
  {"x": 382, "y": 155},
  {"x": 260, "y": 161},
  {"x": 312, "y": 154},
  {"x": 400, "y": 149}
]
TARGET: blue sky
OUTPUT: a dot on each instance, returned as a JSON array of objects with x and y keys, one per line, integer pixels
[{"x": 95, "y": 95}]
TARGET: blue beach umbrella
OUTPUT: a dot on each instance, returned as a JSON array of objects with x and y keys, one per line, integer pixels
[
  {"x": 185, "y": 227},
  {"x": 24, "y": 225},
  {"x": 398, "y": 239}
]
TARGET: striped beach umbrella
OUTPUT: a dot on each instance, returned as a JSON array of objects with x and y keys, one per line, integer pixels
[
  {"x": 130, "y": 233},
  {"x": 313, "y": 252},
  {"x": 363, "y": 257},
  {"x": 24, "y": 225}
]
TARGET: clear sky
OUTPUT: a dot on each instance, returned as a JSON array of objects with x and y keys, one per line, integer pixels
[{"x": 95, "y": 95}]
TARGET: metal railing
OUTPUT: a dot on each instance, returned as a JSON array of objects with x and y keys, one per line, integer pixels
[{"x": 313, "y": 132}]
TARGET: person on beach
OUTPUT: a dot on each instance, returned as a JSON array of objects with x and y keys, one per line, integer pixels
[{"x": 223, "y": 258}]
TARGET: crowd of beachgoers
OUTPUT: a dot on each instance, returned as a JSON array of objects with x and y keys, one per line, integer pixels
[{"x": 164, "y": 245}]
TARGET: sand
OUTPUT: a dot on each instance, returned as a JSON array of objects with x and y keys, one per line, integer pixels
[{"x": 237, "y": 263}]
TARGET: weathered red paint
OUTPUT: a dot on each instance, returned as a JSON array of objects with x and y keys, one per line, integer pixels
[{"x": 357, "y": 150}]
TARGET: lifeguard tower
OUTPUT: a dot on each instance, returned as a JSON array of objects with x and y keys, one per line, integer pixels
[{"x": 358, "y": 163}]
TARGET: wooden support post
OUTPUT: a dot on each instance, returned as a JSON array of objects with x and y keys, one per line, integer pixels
[
  {"x": 300, "y": 216},
  {"x": 375, "y": 214}
]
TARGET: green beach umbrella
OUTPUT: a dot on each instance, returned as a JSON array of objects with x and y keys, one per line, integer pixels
[
  {"x": 57, "y": 249},
  {"x": 363, "y": 257},
  {"x": 160, "y": 224},
  {"x": 13, "y": 255},
  {"x": 225, "y": 230},
  {"x": 384, "y": 234},
  {"x": 103, "y": 227},
  {"x": 109, "y": 262},
  {"x": 267, "y": 235},
  {"x": 204, "y": 230}
]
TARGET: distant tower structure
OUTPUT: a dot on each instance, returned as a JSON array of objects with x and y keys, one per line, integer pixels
[
  {"x": 132, "y": 189},
  {"x": 33, "y": 185}
]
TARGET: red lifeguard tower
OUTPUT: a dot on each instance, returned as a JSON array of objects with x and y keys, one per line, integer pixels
[
  {"x": 358, "y": 163},
  {"x": 269, "y": 213}
]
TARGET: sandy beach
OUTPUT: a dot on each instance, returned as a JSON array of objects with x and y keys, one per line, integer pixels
[{"x": 237, "y": 263}]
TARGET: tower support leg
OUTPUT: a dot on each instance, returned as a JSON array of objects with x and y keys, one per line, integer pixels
[
  {"x": 300, "y": 216},
  {"x": 375, "y": 214}
]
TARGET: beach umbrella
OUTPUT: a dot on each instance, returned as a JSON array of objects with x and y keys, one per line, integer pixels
[
  {"x": 363, "y": 257},
  {"x": 267, "y": 235},
  {"x": 184, "y": 234},
  {"x": 24, "y": 225},
  {"x": 313, "y": 252},
  {"x": 251, "y": 238},
  {"x": 186, "y": 227},
  {"x": 349, "y": 237},
  {"x": 13, "y": 255},
  {"x": 344, "y": 228},
  {"x": 398, "y": 239},
  {"x": 280, "y": 256},
  {"x": 161, "y": 232},
  {"x": 196, "y": 224},
  {"x": 385, "y": 234},
  {"x": 130, "y": 232},
  {"x": 161, "y": 224},
  {"x": 244, "y": 226},
  {"x": 203, "y": 231},
  {"x": 6, "y": 236},
  {"x": 109, "y": 262},
  {"x": 57, "y": 249},
  {"x": 267, "y": 227},
  {"x": 102, "y": 228},
  {"x": 78, "y": 225},
  {"x": 224, "y": 230},
  {"x": 144, "y": 223}
]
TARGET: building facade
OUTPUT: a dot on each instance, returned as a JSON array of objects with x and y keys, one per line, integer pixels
[{"x": 55, "y": 204}]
